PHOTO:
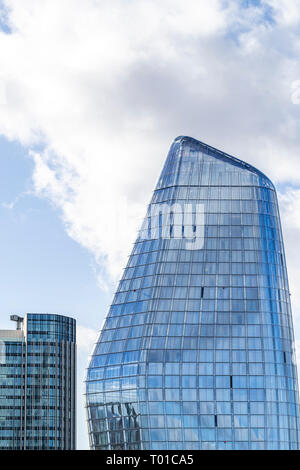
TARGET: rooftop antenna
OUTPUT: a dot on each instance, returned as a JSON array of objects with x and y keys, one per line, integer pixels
[{"x": 18, "y": 320}]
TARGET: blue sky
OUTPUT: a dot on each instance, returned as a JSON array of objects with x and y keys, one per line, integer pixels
[
  {"x": 90, "y": 100},
  {"x": 38, "y": 258},
  {"x": 42, "y": 269}
]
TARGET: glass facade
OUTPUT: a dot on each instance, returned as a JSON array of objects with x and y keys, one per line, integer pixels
[
  {"x": 197, "y": 349},
  {"x": 37, "y": 384}
]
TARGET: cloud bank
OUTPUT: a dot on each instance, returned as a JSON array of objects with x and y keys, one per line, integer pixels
[
  {"x": 98, "y": 90},
  {"x": 86, "y": 337}
]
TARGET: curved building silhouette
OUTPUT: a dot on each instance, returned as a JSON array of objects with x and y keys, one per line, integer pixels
[{"x": 196, "y": 351}]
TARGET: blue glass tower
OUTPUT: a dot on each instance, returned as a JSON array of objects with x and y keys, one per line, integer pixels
[{"x": 197, "y": 348}]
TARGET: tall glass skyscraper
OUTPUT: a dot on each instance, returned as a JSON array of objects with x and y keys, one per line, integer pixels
[
  {"x": 37, "y": 383},
  {"x": 197, "y": 350}
]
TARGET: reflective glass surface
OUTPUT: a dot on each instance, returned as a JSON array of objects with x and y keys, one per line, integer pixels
[
  {"x": 12, "y": 399},
  {"x": 197, "y": 350}
]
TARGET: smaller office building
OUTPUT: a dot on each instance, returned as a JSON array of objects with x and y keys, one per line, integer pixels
[{"x": 38, "y": 383}]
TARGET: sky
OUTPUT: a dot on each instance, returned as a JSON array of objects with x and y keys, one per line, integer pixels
[{"x": 91, "y": 96}]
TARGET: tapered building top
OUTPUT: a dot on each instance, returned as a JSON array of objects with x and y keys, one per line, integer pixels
[{"x": 185, "y": 147}]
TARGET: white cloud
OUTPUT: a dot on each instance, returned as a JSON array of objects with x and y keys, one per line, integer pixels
[
  {"x": 104, "y": 88},
  {"x": 85, "y": 338},
  {"x": 285, "y": 11}
]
